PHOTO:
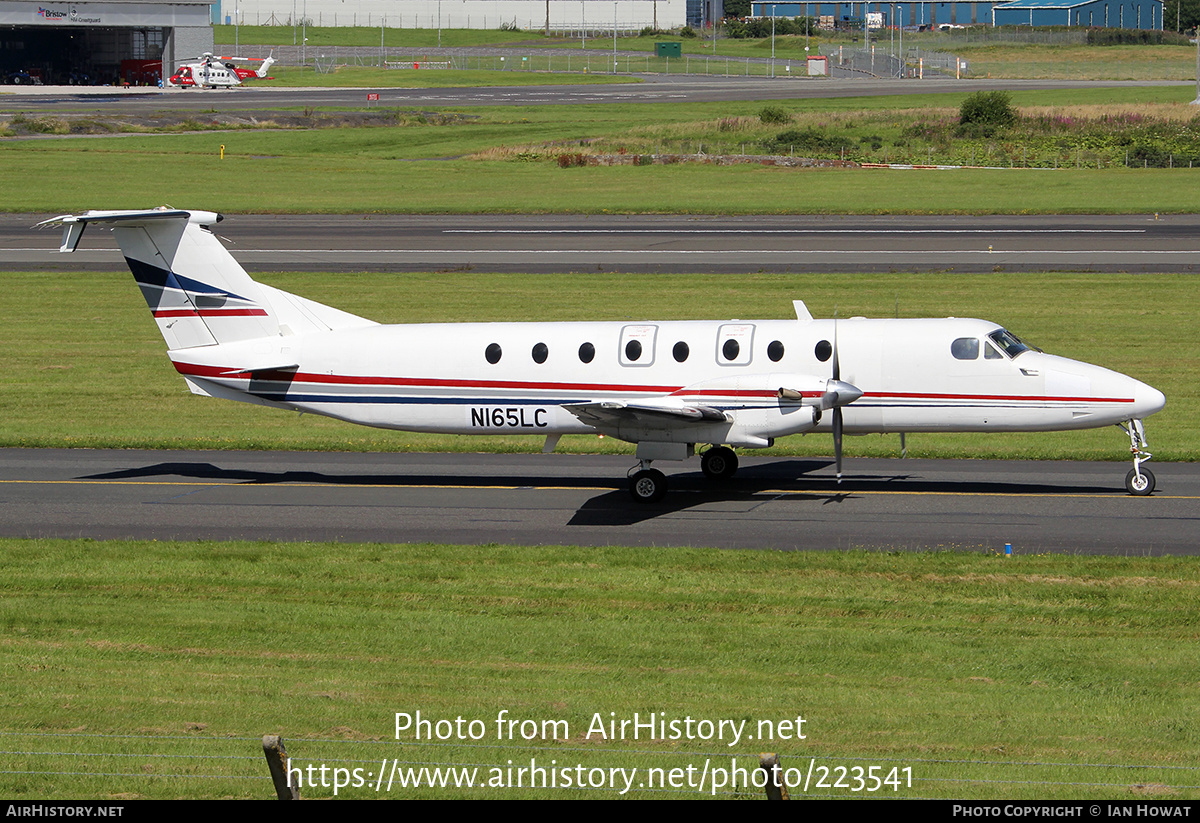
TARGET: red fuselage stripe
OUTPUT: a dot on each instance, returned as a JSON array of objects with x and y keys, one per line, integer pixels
[
  {"x": 210, "y": 313},
  {"x": 441, "y": 383},
  {"x": 937, "y": 396}
]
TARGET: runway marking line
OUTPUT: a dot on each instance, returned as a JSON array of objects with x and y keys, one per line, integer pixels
[{"x": 839, "y": 491}]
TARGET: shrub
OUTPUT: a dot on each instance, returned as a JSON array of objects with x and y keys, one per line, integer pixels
[
  {"x": 687, "y": 31},
  {"x": 987, "y": 108},
  {"x": 808, "y": 140},
  {"x": 774, "y": 115}
]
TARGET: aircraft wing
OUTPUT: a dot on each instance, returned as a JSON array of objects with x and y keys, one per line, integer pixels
[{"x": 610, "y": 416}]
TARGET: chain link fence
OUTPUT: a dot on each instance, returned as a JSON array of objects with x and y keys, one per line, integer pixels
[
  {"x": 987, "y": 34},
  {"x": 880, "y": 61},
  {"x": 325, "y": 59}
]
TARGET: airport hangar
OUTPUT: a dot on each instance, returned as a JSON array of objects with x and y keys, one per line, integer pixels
[
  {"x": 100, "y": 43},
  {"x": 1125, "y": 14}
]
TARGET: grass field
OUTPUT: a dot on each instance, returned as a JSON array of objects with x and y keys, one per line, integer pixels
[
  {"x": 513, "y": 170},
  {"x": 374, "y": 78},
  {"x": 1062, "y": 62},
  {"x": 151, "y": 669},
  {"x": 86, "y": 383},
  {"x": 1027, "y": 61}
]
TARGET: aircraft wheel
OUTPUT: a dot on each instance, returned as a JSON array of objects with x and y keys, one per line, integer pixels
[
  {"x": 648, "y": 486},
  {"x": 1139, "y": 485},
  {"x": 719, "y": 463}
]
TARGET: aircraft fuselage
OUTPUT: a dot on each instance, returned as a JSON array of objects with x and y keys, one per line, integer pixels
[{"x": 440, "y": 378}]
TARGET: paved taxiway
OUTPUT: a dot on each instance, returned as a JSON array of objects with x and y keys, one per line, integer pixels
[
  {"x": 774, "y": 503},
  {"x": 653, "y": 243}
]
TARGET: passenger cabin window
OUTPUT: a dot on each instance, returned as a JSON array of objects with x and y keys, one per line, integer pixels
[
  {"x": 823, "y": 350},
  {"x": 587, "y": 352},
  {"x": 775, "y": 351},
  {"x": 492, "y": 353},
  {"x": 637, "y": 345},
  {"x": 540, "y": 353},
  {"x": 734, "y": 344},
  {"x": 680, "y": 352},
  {"x": 965, "y": 348}
]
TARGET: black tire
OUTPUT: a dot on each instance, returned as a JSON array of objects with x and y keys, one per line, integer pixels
[
  {"x": 719, "y": 463},
  {"x": 1139, "y": 486},
  {"x": 648, "y": 486}
]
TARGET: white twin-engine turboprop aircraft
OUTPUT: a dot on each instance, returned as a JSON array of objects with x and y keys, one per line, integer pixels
[{"x": 666, "y": 386}]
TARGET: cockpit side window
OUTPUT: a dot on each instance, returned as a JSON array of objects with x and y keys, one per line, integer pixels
[
  {"x": 965, "y": 348},
  {"x": 1008, "y": 342},
  {"x": 990, "y": 352}
]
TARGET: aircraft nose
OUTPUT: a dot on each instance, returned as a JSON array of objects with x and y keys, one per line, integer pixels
[{"x": 1146, "y": 400}]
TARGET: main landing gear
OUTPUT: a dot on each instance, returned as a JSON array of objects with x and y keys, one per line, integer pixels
[
  {"x": 647, "y": 485},
  {"x": 1139, "y": 481},
  {"x": 719, "y": 463}
]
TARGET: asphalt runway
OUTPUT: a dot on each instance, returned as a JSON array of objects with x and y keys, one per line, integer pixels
[
  {"x": 652, "y": 243},
  {"x": 773, "y": 503}
]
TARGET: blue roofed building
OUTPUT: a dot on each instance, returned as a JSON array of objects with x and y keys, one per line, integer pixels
[
  {"x": 1127, "y": 14},
  {"x": 1123, "y": 14},
  {"x": 892, "y": 14}
]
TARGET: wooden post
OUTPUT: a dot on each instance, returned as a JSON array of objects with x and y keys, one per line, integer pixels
[
  {"x": 776, "y": 788},
  {"x": 277, "y": 762}
]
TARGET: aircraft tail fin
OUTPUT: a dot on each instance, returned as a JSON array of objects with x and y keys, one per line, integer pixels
[
  {"x": 198, "y": 293},
  {"x": 266, "y": 65}
]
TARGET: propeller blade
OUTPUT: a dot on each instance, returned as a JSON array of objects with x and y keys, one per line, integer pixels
[
  {"x": 837, "y": 441},
  {"x": 837, "y": 409},
  {"x": 837, "y": 365}
]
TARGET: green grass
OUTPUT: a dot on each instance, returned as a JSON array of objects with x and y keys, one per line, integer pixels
[
  {"x": 74, "y": 180},
  {"x": 1028, "y": 61},
  {"x": 87, "y": 383},
  {"x": 363, "y": 36},
  {"x": 359, "y": 172},
  {"x": 1062, "y": 62},
  {"x": 363, "y": 77},
  {"x": 1032, "y": 677}
]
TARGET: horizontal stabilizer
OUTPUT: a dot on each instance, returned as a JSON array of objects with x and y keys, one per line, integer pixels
[{"x": 74, "y": 224}]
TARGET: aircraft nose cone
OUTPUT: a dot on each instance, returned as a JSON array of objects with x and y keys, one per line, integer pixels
[{"x": 1146, "y": 400}]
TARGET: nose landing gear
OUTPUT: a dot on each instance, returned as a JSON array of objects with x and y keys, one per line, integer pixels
[
  {"x": 1139, "y": 481},
  {"x": 647, "y": 485}
]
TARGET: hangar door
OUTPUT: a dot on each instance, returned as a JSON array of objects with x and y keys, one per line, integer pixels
[{"x": 80, "y": 55}]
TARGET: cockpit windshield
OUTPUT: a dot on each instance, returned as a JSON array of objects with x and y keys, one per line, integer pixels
[{"x": 1009, "y": 343}]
